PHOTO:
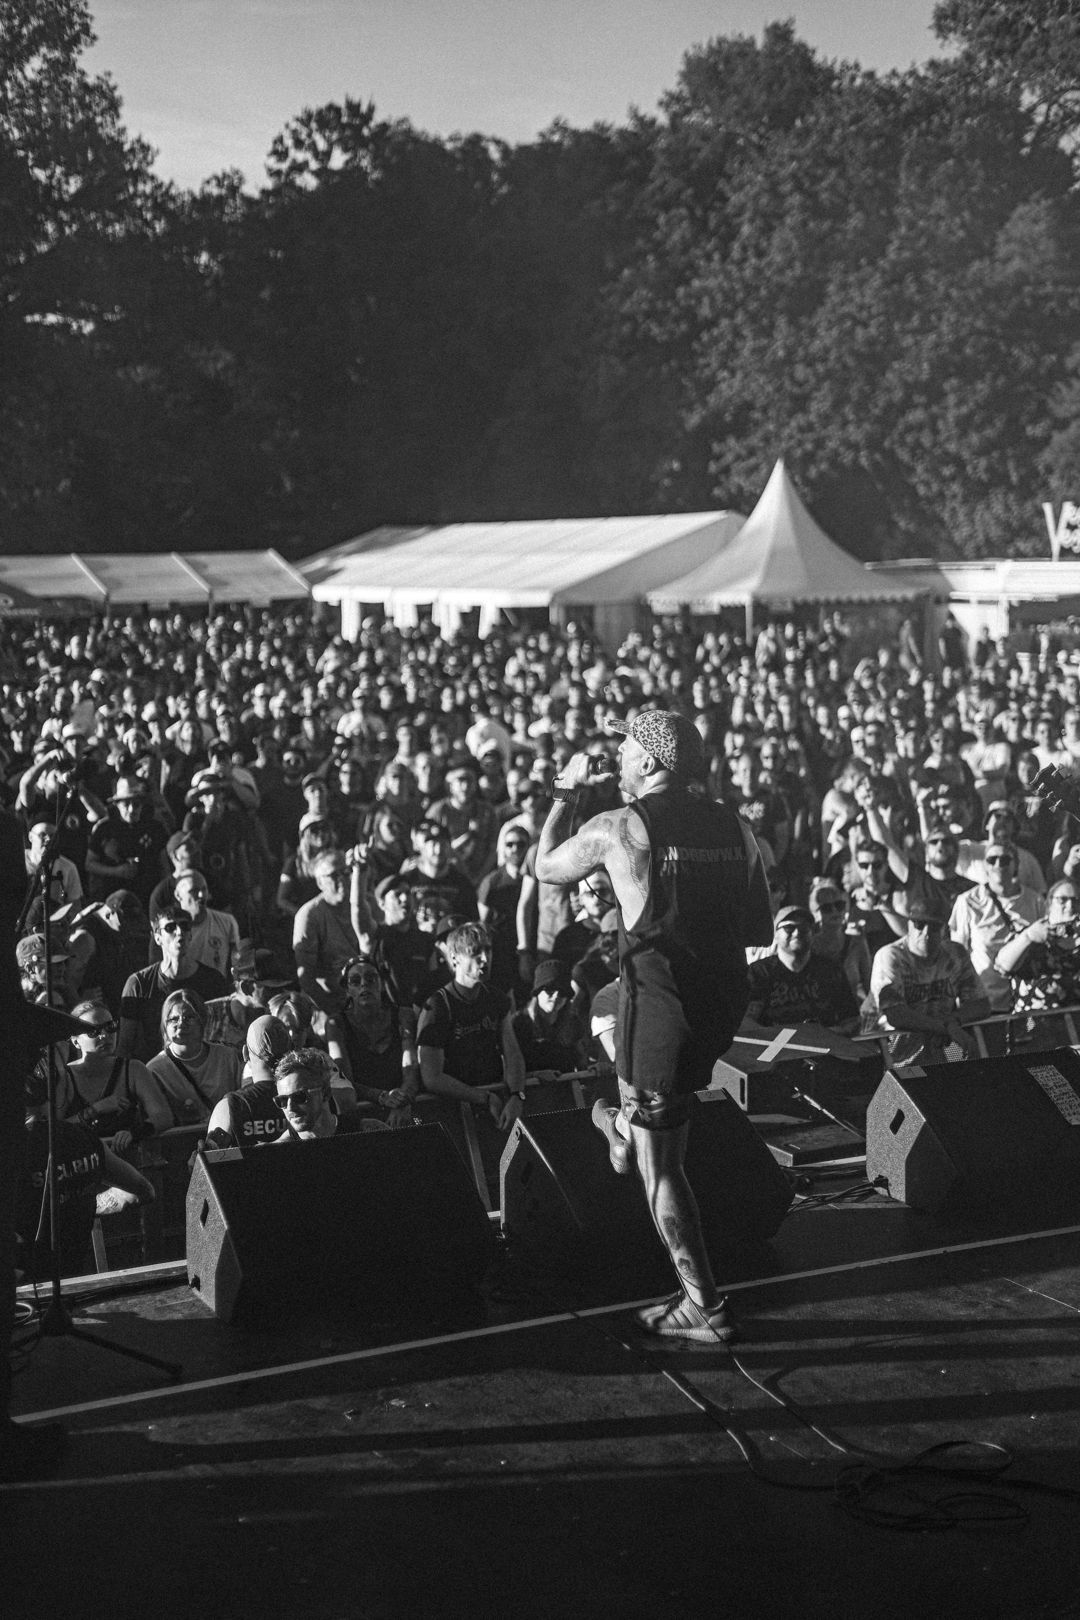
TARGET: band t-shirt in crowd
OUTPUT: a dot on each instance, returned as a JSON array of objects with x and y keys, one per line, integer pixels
[
  {"x": 456, "y": 894},
  {"x": 819, "y": 993},
  {"x": 467, "y": 1029},
  {"x": 936, "y": 985}
]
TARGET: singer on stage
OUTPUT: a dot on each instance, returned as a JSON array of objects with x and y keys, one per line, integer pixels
[{"x": 691, "y": 895}]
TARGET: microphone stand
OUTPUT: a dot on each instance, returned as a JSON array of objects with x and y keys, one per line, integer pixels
[
  {"x": 812, "y": 1102},
  {"x": 56, "y": 1320}
]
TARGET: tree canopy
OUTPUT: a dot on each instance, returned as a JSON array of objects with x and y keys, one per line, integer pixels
[{"x": 871, "y": 275}]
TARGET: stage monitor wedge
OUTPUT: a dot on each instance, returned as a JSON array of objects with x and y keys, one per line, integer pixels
[
  {"x": 565, "y": 1207},
  {"x": 377, "y": 1224},
  {"x": 1002, "y": 1132}
]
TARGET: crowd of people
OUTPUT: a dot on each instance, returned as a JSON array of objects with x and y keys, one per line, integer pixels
[{"x": 292, "y": 880}]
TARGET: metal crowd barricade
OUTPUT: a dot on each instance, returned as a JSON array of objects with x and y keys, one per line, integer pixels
[
  {"x": 157, "y": 1230},
  {"x": 478, "y": 1138},
  {"x": 1010, "y": 1033},
  {"x": 1037, "y": 1031}
]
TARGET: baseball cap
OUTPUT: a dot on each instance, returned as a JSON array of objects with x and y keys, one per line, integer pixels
[
  {"x": 672, "y": 739},
  {"x": 267, "y": 1038},
  {"x": 394, "y": 884},
  {"x": 32, "y": 946},
  {"x": 793, "y": 914}
]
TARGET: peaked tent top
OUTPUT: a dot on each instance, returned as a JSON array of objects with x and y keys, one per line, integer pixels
[{"x": 779, "y": 555}]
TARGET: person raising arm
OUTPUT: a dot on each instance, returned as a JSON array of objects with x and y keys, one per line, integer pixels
[{"x": 691, "y": 894}]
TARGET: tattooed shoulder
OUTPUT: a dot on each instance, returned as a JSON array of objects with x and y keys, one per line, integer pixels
[{"x": 634, "y": 844}]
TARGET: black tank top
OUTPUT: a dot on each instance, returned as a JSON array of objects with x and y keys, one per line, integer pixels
[{"x": 698, "y": 897}]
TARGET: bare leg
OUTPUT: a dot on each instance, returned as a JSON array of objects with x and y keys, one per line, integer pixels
[
  {"x": 611, "y": 1123},
  {"x": 659, "y": 1155}
]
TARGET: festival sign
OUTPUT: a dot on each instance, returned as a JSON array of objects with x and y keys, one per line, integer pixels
[{"x": 1064, "y": 531}]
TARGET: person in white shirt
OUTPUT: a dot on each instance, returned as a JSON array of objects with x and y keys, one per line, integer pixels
[
  {"x": 65, "y": 887},
  {"x": 1048, "y": 747},
  {"x": 215, "y": 935},
  {"x": 985, "y": 918},
  {"x": 989, "y": 760},
  {"x": 1001, "y": 827}
]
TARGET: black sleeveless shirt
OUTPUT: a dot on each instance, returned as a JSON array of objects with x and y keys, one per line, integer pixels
[{"x": 699, "y": 897}]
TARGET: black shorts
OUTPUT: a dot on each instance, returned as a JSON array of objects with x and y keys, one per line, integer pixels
[{"x": 672, "y": 1026}]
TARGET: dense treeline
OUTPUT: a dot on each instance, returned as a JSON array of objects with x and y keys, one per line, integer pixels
[{"x": 875, "y": 276}]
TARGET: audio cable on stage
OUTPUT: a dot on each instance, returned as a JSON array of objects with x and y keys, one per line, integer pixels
[{"x": 951, "y": 1485}]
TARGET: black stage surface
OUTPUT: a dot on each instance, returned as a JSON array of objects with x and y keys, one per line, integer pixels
[{"x": 537, "y": 1461}]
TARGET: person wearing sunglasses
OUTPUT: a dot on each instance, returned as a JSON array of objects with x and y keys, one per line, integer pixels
[
  {"x": 991, "y": 914},
  {"x": 1002, "y": 827},
  {"x": 302, "y": 1082},
  {"x": 794, "y": 986},
  {"x": 114, "y": 1097},
  {"x": 498, "y": 897},
  {"x": 250, "y": 1117},
  {"x": 872, "y": 909},
  {"x": 145, "y": 991},
  {"x": 1043, "y": 960},
  {"x": 832, "y": 938},
  {"x": 923, "y": 989}
]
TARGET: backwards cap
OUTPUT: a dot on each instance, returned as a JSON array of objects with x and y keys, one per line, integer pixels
[{"x": 670, "y": 738}]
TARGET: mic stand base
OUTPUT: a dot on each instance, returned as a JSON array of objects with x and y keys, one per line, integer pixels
[{"x": 57, "y": 1323}]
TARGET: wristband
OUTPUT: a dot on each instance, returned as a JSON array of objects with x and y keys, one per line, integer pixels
[{"x": 566, "y": 795}]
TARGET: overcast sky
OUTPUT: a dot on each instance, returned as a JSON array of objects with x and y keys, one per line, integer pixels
[{"x": 210, "y": 82}]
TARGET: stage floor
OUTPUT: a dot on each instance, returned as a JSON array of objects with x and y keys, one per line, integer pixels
[{"x": 552, "y": 1463}]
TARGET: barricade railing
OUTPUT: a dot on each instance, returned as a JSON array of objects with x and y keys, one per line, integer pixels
[
  {"x": 1039, "y": 1029},
  {"x": 157, "y": 1231}
]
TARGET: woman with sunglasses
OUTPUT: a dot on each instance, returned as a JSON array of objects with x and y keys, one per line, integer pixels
[
  {"x": 833, "y": 940},
  {"x": 115, "y": 1097},
  {"x": 192, "y": 1073},
  {"x": 373, "y": 1044}
]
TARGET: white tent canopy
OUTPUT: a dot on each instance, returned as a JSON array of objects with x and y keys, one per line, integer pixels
[
  {"x": 780, "y": 555},
  {"x": 160, "y": 579},
  {"x": 572, "y": 562}
]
